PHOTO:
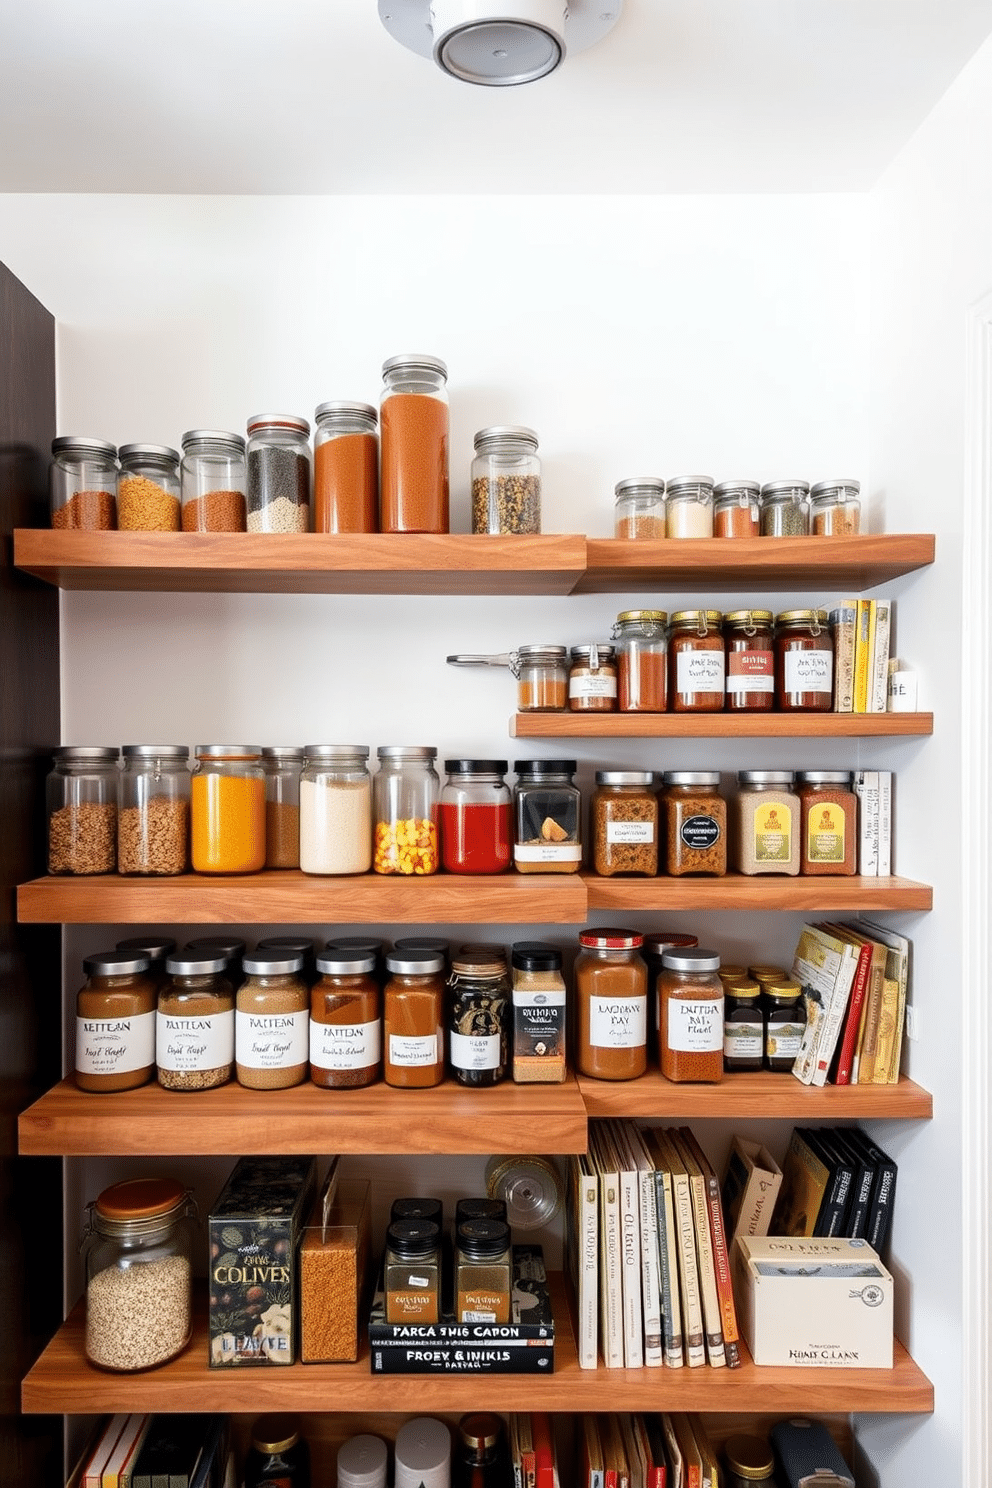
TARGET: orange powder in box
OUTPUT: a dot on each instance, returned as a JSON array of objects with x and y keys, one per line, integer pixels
[{"x": 227, "y": 814}]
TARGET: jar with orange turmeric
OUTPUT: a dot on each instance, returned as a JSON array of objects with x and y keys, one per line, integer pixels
[{"x": 227, "y": 809}]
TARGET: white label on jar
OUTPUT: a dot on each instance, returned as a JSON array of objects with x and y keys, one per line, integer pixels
[
  {"x": 592, "y": 685},
  {"x": 809, "y": 671},
  {"x": 469, "y": 1052},
  {"x": 547, "y": 852},
  {"x": 699, "y": 671},
  {"x": 415, "y": 1052},
  {"x": 199, "y": 1043},
  {"x": 115, "y": 1046},
  {"x": 618, "y": 1022},
  {"x": 784, "y": 1040},
  {"x": 620, "y": 831},
  {"x": 270, "y": 1041},
  {"x": 344, "y": 1046},
  {"x": 695, "y": 1025},
  {"x": 743, "y": 1040}
]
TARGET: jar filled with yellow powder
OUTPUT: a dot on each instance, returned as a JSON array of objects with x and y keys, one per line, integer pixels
[{"x": 227, "y": 809}]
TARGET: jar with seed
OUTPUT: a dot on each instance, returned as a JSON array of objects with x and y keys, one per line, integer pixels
[
  {"x": 690, "y": 507},
  {"x": 804, "y": 662},
  {"x": 695, "y": 823},
  {"x": 153, "y": 819},
  {"x": 785, "y": 1023},
  {"x": 611, "y": 998},
  {"x": 346, "y": 468},
  {"x": 547, "y": 807},
  {"x": 835, "y": 508},
  {"x": 413, "y": 1019},
  {"x": 272, "y": 1022},
  {"x": 278, "y": 473},
  {"x": 767, "y": 818},
  {"x": 345, "y": 1020},
  {"x": 81, "y": 799},
  {"x": 785, "y": 508},
  {"x": 283, "y": 765},
  {"x": 691, "y": 1006},
  {"x": 750, "y": 659},
  {"x": 336, "y": 810},
  {"x": 506, "y": 481},
  {"x": 743, "y": 1026},
  {"x": 829, "y": 830},
  {"x": 413, "y": 433},
  {"x": 227, "y": 809},
  {"x": 624, "y": 823},
  {"x": 194, "y": 1024},
  {"x": 696, "y": 667},
  {"x": 483, "y": 1280},
  {"x": 639, "y": 509},
  {"x": 737, "y": 509},
  {"x": 115, "y": 1022},
  {"x": 542, "y": 677},
  {"x": 642, "y": 661},
  {"x": 212, "y": 481},
  {"x": 479, "y": 1017},
  {"x": 148, "y": 489},
  {"x": 82, "y": 481},
  {"x": 592, "y": 679},
  {"x": 405, "y": 803}
]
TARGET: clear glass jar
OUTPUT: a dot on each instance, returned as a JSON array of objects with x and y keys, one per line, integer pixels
[
  {"x": 548, "y": 811},
  {"x": 737, "y": 509},
  {"x": 785, "y": 508},
  {"x": 156, "y": 948},
  {"x": 767, "y": 822},
  {"x": 539, "y": 1014},
  {"x": 296, "y": 945},
  {"x": 611, "y": 1000},
  {"x": 623, "y": 823},
  {"x": 346, "y": 468},
  {"x": 695, "y": 823},
  {"x": 541, "y": 670},
  {"x": 785, "y": 1022},
  {"x": 829, "y": 831},
  {"x": 656, "y": 942},
  {"x": 227, "y": 809},
  {"x": 413, "y": 1019},
  {"x": 750, "y": 660},
  {"x": 639, "y": 509},
  {"x": 82, "y": 483},
  {"x": 476, "y": 817},
  {"x": 479, "y": 1017},
  {"x": 345, "y": 1021},
  {"x": 413, "y": 424},
  {"x": 148, "y": 489},
  {"x": 283, "y": 765},
  {"x": 194, "y": 1023},
  {"x": 804, "y": 662},
  {"x": 743, "y": 1027},
  {"x": 335, "y": 833},
  {"x": 138, "y": 1274},
  {"x": 272, "y": 1022},
  {"x": 835, "y": 508},
  {"x": 642, "y": 660},
  {"x": 690, "y": 507},
  {"x": 278, "y": 473},
  {"x": 212, "y": 481},
  {"x": 278, "y": 1454},
  {"x": 81, "y": 802},
  {"x": 690, "y": 1006},
  {"x": 696, "y": 662},
  {"x": 483, "y": 1271},
  {"x": 405, "y": 795},
  {"x": 115, "y": 1022},
  {"x": 592, "y": 679},
  {"x": 412, "y": 1271},
  {"x": 506, "y": 481},
  {"x": 153, "y": 815}
]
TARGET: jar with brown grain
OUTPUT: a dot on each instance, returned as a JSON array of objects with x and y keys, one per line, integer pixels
[
  {"x": 691, "y": 1006},
  {"x": 345, "y": 468},
  {"x": 785, "y": 1023},
  {"x": 642, "y": 661},
  {"x": 153, "y": 815},
  {"x": 639, "y": 510},
  {"x": 506, "y": 481},
  {"x": 592, "y": 679},
  {"x": 272, "y": 1022},
  {"x": 743, "y": 1026},
  {"x": 767, "y": 825},
  {"x": 785, "y": 508},
  {"x": 696, "y": 662},
  {"x": 81, "y": 802},
  {"x": 413, "y": 1019},
  {"x": 737, "y": 509},
  {"x": 194, "y": 1023},
  {"x": 212, "y": 481},
  {"x": 148, "y": 489},
  {"x": 345, "y": 1020},
  {"x": 413, "y": 424},
  {"x": 695, "y": 823},
  {"x": 115, "y": 1022},
  {"x": 82, "y": 481},
  {"x": 623, "y": 823},
  {"x": 804, "y": 662},
  {"x": 283, "y": 766},
  {"x": 611, "y": 998},
  {"x": 829, "y": 831},
  {"x": 835, "y": 508},
  {"x": 750, "y": 656}
]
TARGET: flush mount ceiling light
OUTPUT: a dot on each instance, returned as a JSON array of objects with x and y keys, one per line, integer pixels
[{"x": 494, "y": 44}]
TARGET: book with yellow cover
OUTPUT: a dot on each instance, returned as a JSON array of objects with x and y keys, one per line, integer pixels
[{"x": 863, "y": 637}]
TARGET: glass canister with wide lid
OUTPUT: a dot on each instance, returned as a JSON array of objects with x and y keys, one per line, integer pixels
[
  {"x": 212, "y": 481},
  {"x": 345, "y": 1020},
  {"x": 785, "y": 508},
  {"x": 227, "y": 809},
  {"x": 835, "y": 508},
  {"x": 413, "y": 435},
  {"x": 804, "y": 662},
  {"x": 611, "y": 997},
  {"x": 547, "y": 805},
  {"x": 405, "y": 804},
  {"x": 148, "y": 489},
  {"x": 592, "y": 679},
  {"x": 413, "y": 1019},
  {"x": 278, "y": 473},
  {"x": 641, "y": 638},
  {"x": 336, "y": 809},
  {"x": 623, "y": 823},
  {"x": 829, "y": 830},
  {"x": 81, "y": 800},
  {"x": 639, "y": 509},
  {"x": 479, "y": 1017},
  {"x": 115, "y": 1021},
  {"x": 767, "y": 822},
  {"x": 695, "y": 823},
  {"x": 506, "y": 481},
  {"x": 696, "y": 666},
  {"x": 153, "y": 820},
  {"x": 750, "y": 656},
  {"x": 272, "y": 1022},
  {"x": 346, "y": 468},
  {"x": 737, "y": 509},
  {"x": 691, "y": 1007},
  {"x": 194, "y": 1024},
  {"x": 690, "y": 506},
  {"x": 82, "y": 483}
]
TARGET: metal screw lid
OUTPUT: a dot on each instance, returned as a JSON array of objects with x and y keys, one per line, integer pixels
[
  {"x": 690, "y": 958},
  {"x": 625, "y": 777},
  {"x": 691, "y": 777},
  {"x": 343, "y": 408},
  {"x": 155, "y": 751},
  {"x": 824, "y": 777},
  {"x": 204, "y": 964},
  {"x": 414, "y": 359},
  {"x": 148, "y": 452},
  {"x": 275, "y": 962},
  {"x": 499, "y": 432},
  {"x": 611, "y": 940},
  {"x": 766, "y": 777},
  {"x": 129, "y": 962},
  {"x": 221, "y": 437},
  {"x": 640, "y": 485},
  {"x": 830, "y": 489}
]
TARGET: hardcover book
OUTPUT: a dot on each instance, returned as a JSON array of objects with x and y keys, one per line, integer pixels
[
  {"x": 716, "y": 1354},
  {"x": 582, "y": 1255},
  {"x": 824, "y": 965},
  {"x": 879, "y": 676},
  {"x": 671, "y": 1302},
  {"x": 750, "y": 1187},
  {"x": 630, "y": 1244},
  {"x": 805, "y": 1180},
  {"x": 866, "y": 790},
  {"x": 650, "y": 1265},
  {"x": 610, "y": 1247},
  {"x": 842, "y": 621},
  {"x": 897, "y": 968},
  {"x": 685, "y": 1235},
  {"x": 721, "y": 1253}
]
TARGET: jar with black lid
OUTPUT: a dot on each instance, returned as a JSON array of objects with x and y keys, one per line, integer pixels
[
  {"x": 476, "y": 817},
  {"x": 656, "y": 943},
  {"x": 785, "y": 1023},
  {"x": 295, "y": 945},
  {"x": 115, "y": 1022},
  {"x": 212, "y": 481},
  {"x": 231, "y": 949},
  {"x": 750, "y": 654},
  {"x": 83, "y": 483},
  {"x": 279, "y": 1457},
  {"x": 696, "y": 662},
  {"x": 479, "y": 1018},
  {"x": 278, "y": 473},
  {"x": 483, "y": 1271},
  {"x": 194, "y": 1023},
  {"x": 785, "y": 508},
  {"x": 642, "y": 660},
  {"x": 592, "y": 679},
  {"x": 743, "y": 1027},
  {"x": 506, "y": 481},
  {"x": 156, "y": 948},
  {"x": 547, "y": 807},
  {"x": 148, "y": 489},
  {"x": 81, "y": 800},
  {"x": 412, "y": 1271},
  {"x": 153, "y": 819},
  {"x": 804, "y": 662}
]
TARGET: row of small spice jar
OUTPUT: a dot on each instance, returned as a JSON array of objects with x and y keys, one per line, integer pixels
[{"x": 694, "y": 506}]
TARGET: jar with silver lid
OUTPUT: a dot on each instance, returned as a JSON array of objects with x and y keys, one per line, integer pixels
[
  {"x": 278, "y": 473},
  {"x": 835, "y": 508},
  {"x": 592, "y": 679},
  {"x": 212, "y": 481},
  {"x": 336, "y": 809},
  {"x": 623, "y": 823},
  {"x": 227, "y": 809},
  {"x": 639, "y": 509},
  {"x": 283, "y": 765},
  {"x": 506, "y": 481},
  {"x": 423, "y": 1454},
  {"x": 148, "y": 489},
  {"x": 767, "y": 821},
  {"x": 82, "y": 482},
  {"x": 405, "y": 806},
  {"x": 690, "y": 506},
  {"x": 81, "y": 797},
  {"x": 413, "y": 439},
  {"x": 153, "y": 820},
  {"x": 346, "y": 468},
  {"x": 785, "y": 508},
  {"x": 737, "y": 508},
  {"x": 272, "y": 1021},
  {"x": 194, "y": 1022}
]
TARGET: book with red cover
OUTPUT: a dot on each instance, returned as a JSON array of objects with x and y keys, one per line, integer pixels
[
  {"x": 721, "y": 1253},
  {"x": 843, "y": 1064},
  {"x": 544, "y": 1449}
]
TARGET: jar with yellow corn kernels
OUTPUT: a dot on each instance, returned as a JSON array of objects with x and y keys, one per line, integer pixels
[{"x": 405, "y": 793}]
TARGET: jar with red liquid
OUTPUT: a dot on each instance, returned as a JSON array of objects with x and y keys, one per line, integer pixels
[
  {"x": 750, "y": 648},
  {"x": 476, "y": 817}
]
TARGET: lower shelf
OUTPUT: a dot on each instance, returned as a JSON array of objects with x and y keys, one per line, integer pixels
[{"x": 753, "y": 1097}]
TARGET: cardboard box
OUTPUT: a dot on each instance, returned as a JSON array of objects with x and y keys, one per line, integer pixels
[
  {"x": 814, "y": 1303},
  {"x": 334, "y": 1266}
]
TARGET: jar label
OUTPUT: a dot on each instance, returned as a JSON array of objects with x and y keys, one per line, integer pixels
[
  {"x": 751, "y": 671},
  {"x": 475, "y": 1052},
  {"x": 825, "y": 836},
  {"x": 695, "y": 1025},
  {"x": 773, "y": 833},
  {"x": 630, "y": 831},
  {"x": 271, "y": 1041},
  {"x": 345, "y": 1046},
  {"x": 547, "y": 852},
  {"x": 618, "y": 1022},
  {"x": 783, "y": 1040},
  {"x": 699, "y": 671},
  {"x": 743, "y": 1040},
  {"x": 115, "y": 1046},
  {"x": 415, "y": 1052},
  {"x": 699, "y": 833},
  {"x": 200, "y": 1043},
  {"x": 809, "y": 671},
  {"x": 592, "y": 684}
]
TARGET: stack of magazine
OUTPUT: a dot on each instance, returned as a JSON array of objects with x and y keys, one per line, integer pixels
[{"x": 855, "y": 980}]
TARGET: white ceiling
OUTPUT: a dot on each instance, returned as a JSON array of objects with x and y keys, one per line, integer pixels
[{"x": 314, "y": 96}]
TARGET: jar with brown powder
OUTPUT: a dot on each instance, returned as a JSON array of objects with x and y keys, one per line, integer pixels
[
  {"x": 829, "y": 832},
  {"x": 194, "y": 1024},
  {"x": 696, "y": 662},
  {"x": 413, "y": 1019},
  {"x": 695, "y": 823},
  {"x": 115, "y": 1022},
  {"x": 283, "y": 766},
  {"x": 272, "y": 1024},
  {"x": 413, "y": 424},
  {"x": 345, "y": 1020},
  {"x": 611, "y": 995},
  {"x": 624, "y": 823},
  {"x": 691, "y": 1004}
]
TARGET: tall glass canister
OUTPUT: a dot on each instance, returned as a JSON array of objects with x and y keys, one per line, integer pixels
[
  {"x": 227, "y": 811},
  {"x": 153, "y": 819},
  {"x": 405, "y": 795},
  {"x": 81, "y": 795},
  {"x": 336, "y": 809},
  {"x": 413, "y": 422},
  {"x": 283, "y": 766}
]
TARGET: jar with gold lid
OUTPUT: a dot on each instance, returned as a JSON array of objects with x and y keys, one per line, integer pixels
[
  {"x": 750, "y": 653},
  {"x": 749, "y": 1460},
  {"x": 696, "y": 664},
  {"x": 641, "y": 638},
  {"x": 804, "y": 662}
]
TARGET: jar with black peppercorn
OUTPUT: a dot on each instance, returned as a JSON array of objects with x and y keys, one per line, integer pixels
[
  {"x": 278, "y": 473},
  {"x": 506, "y": 481}
]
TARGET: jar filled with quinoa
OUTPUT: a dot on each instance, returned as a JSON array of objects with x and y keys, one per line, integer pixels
[
  {"x": 153, "y": 822},
  {"x": 82, "y": 482},
  {"x": 81, "y": 795},
  {"x": 194, "y": 1022},
  {"x": 148, "y": 489}
]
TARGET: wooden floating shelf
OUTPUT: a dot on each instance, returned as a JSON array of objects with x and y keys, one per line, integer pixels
[
  {"x": 762, "y": 892},
  {"x": 719, "y": 725},
  {"x": 756, "y": 1096}
]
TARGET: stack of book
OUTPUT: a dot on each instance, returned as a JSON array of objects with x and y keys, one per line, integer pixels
[
  {"x": 135, "y": 1451},
  {"x": 873, "y": 789},
  {"x": 621, "y": 1450},
  {"x": 862, "y": 630},
  {"x": 837, "y": 1184},
  {"x": 855, "y": 980}
]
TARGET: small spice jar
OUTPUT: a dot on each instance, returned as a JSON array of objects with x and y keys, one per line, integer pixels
[
  {"x": 690, "y": 506},
  {"x": 592, "y": 679},
  {"x": 785, "y": 508},
  {"x": 231, "y": 950},
  {"x": 212, "y": 481},
  {"x": 611, "y": 999},
  {"x": 642, "y": 661},
  {"x": 413, "y": 424},
  {"x": 227, "y": 809},
  {"x": 115, "y": 1022},
  {"x": 547, "y": 807},
  {"x": 481, "y": 1452},
  {"x": 296, "y": 945},
  {"x": 148, "y": 489},
  {"x": 835, "y": 508},
  {"x": 82, "y": 483},
  {"x": 690, "y": 997},
  {"x": 829, "y": 832},
  {"x": 413, "y": 1019},
  {"x": 766, "y": 822},
  {"x": 278, "y": 1454},
  {"x": 639, "y": 509},
  {"x": 743, "y": 1026},
  {"x": 81, "y": 802},
  {"x": 506, "y": 481},
  {"x": 695, "y": 823},
  {"x": 539, "y": 1013},
  {"x": 785, "y": 1022},
  {"x": 138, "y": 1274},
  {"x": 156, "y": 948},
  {"x": 272, "y": 1022},
  {"x": 345, "y": 1020},
  {"x": 541, "y": 670},
  {"x": 476, "y": 817},
  {"x": 696, "y": 662},
  {"x": 278, "y": 473},
  {"x": 750, "y": 658},
  {"x": 194, "y": 1023},
  {"x": 749, "y": 1459},
  {"x": 412, "y": 1273},
  {"x": 479, "y": 1017},
  {"x": 336, "y": 809},
  {"x": 345, "y": 468},
  {"x": 283, "y": 765},
  {"x": 483, "y": 1280},
  {"x": 623, "y": 823},
  {"x": 737, "y": 509},
  {"x": 405, "y": 810},
  {"x": 153, "y": 815},
  {"x": 804, "y": 662},
  {"x": 423, "y": 1454}
]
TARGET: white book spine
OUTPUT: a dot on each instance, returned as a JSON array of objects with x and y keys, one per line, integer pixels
[
  {"x": 611, "y": 1301},
  {"x": 586, "y": 1241},
  {"x": 650, "y": 1272},
  {"x": 884, "y": 823},
  {"x": 866, "y": 790},
  {"x": 878, "y": 677},
  {"x": 630, "y": 1228}
]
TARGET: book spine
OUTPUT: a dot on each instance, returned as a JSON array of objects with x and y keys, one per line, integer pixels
[
  {"x": 588, "y": 1269},
  {"x": 866, "y": 790},
  {"x": 833, "y": 1017},
  {"x": 862, "y": 654},
  {"x": 668, "y": 1266},
  {"x": 715, "y": 1352},
  {"x": 450, "y": 1358},
  {"x": 610, "y": 1286},
  {"x": 650, "y": 1271},
  {"x": 692, "y": 1307},
  {"x": 843, "y": 621},
  {"x": 721, "y": 1264},
  {"x": 879, "y": 688},
  {"x": 852, "y": 1022},
  {"x": 630, "y": 1237},
  {"x": 884, "y": 823}
]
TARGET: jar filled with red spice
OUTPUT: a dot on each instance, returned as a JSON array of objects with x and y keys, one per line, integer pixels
[
  {"x": 750, "y": 651},
  {"x": 696, "y": 662},
  {"x": 611, "y": 995},
  {"x": 413, "y": 423},
  {"x": 345, "y": 468},
  {"x": 804, "y": 662},
  {"x": 691, "y": 1005},
  {"x": 642, "y": 661},
  {"x": 476, "y": 817},
  {"x": 737, "y": 509},
  {"x": 829, "y": 814}
]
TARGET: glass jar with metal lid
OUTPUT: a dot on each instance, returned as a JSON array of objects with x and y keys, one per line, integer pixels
[
  {"x": 547, "y": 807},
  {"x": 785, "y": 508},
  {"x": 405, "y": 795},
  {"x": 639, "y": 510},
  {"x": 81, "y": 801},
  {"x": 750, "y": 657},
  {"x": 766, "y": 822},
  {"x": 542, "y": 678},
  {"x": 345, "y": 1020},
  {"x": 656, "y": 943},
  {"x": 335, "y": 833},
  {"x": 412, "y": 1271},
  {"x": 283, "y": 765},
  {"x": 737, "y": 509},
  {"x": 642, "y": 660},
  {"x": 476, "y": 817},
  {"x": 296, "y": 945},
  {"x": 272, "y": 1021},
  {"x": 804, "y": 662},
  {"x": 478, "y": 1012},
  {"x": 691, "y": 1010},
  {"x": 592, "y": 679},
  {"x": 346, "y": 468},
  {"x": 194, "y": 1023},
  {"x": 115, "y": 1022},
  {"x": 749, "y": 1460},
  {"x": 212, "y": 481},
  {"x": 695, "y": 823},
  {"x": 138, "y": 1274},
  {"x": 227, "y": 809},
  {"x": 829, "y": 831},
  {"x": 690, "y": 506},
  {"x": 82, "y": 483},
  {"x": 743, "y": 1026},
  {"x": 835, "y": 508},
  {"x": 227, "y": 946},
  {"x": 785, "y": 1022},
  {"x": 696, "y": 666},
  {"x": 148, "y": 489},
  {"x": 611, "y": 999},
  {"x": 506, "y": 481},
  {"x": 413, "y": 1018},
  {"x": 413, "y": 432},
  {"x": 156, "y": 948},
  {"x": 529, "y": 1188},
  {"x": 278, "y": 473},
  {"x": 278, "y": 1454},
  {"x": 623, "y": 823},
  {"x": 153, "y": 816}
]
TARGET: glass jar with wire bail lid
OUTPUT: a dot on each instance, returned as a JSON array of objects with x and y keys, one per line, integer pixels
[
  {"x": 278, "y": 471},
  {"x": 194, "y": 1022},
  {"x": 336, "y": 809},
  {"x": 153, "y": 815},
  {"x": 785, "y": 508},
  {"x": 547, "y": 807},
  {"x": 750, "y": 659},
  {"x": 592, "y": 679},
  {"x": 506, "y": 481},
  {"x": 611, "y": 1000},
  {"x": 479, "y": 1016},
  {"x": 227, "y": 809},
  {"x": 405, "y": 794},
  {"x": 623, "y": 823},
  {"x": 272, "y": 1021},
  {"x": 81, "y": 803},
  {"x": 737, "y": 508},
  {"x": 82, "y": 483},
  {"x": 212, "y": 481},
  {"x": 804, "y": 662},
  {"x": 346, "y": 467},
  {"x": 345, "y": 1020},
  {"x": 639, "y": 509},
  {"x": 835, "y": 508},
  {"x": 148, "y": 489},
  {"x": 689, "y": 506},
  {"x": 283, "y": 765},
  {"x": 642, "y": 660},
  {"x": 696, "y": 663},
  {"x": 413, "y": 437}
]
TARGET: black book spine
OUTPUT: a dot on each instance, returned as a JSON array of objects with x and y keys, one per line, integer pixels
[{"x": 451, "y": 1359}]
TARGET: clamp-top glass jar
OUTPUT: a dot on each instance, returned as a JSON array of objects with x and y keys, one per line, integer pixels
[
  {"x": 81, "y": 798},
  {"x": 82, "y": 482},
  {"x": 785, "y": 508},
  {"x": 835, "y": 508},
  {"x": 212, "y": 478},
  {"x": 506, "y": 481},
  {"x": 227, "y": 809},
  {"x": 278, "y": 472},
  {"x": 642, "y": 660},
  {"x": 690, "y": 506},
  {"x": 148, "y": 489},
  {"x": 413, "y": 422},
  {"x": 804, "y": 662},
  {"x": 153, "y": 821},
  {"x": 696, "y": 662},
  {"x": 737, "y": 509},
  {"x": 750, "y": 655},
  {"x": 405, "y": 808},
  {"x": 346, "y": 468},
  {"x": 640, "y": 507},
  {"x": 542, "y": 677}
]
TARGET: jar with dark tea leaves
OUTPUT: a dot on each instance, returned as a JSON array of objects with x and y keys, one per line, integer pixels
[{"x": 785, "y": 1023}]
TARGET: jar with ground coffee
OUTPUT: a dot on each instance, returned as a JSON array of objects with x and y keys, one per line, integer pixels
[
  {"x": 212, "y": 481},
  {"x": 624, "y": 823},
  {"x": 539, "y": 1013},
  {"x": 278, "y": 473},
  {"x": 283, "y": 765},
  {"x": 592, "y": 679},
  {"x": 153, "y": 819},
  {"x": 829, "y": 831},
  {"x": 743, "y": 1026},
  {"x": 785, "y": 1023},
  {"x": 336, "y": 809},
  {"x": 227, "y": 809},
  {"x": 82, "y": 482},
  {"x": 194, "y": 1024},
  {"x": 405, "y": 810},
  {"x": 695, "y": 823},
  {"x": 642, "y": 661},
  {"x": 413, "y": 1019},
  {"x": 691, "y": 1006},
  {"x": 483, "y": 1279},
  {"x": 272, "y": 1022},
  {"x": 639, "y": 510},
  {"x": 413, "y": 423},
  {"x": 690, "y": 507},
  {"x": 696, "y": 662},
  {"x": 750, "y": 657},
  {"x": 148, "y": 489},
  {"x": 785, "y": 508},
  {"x": 81, "y": 800},
  {"x": 548, "y": 812},
  {"x": 345, "y": 1020},
  {"x": 506, "y": 481},
  {"x": 835, "y": 508},
  {"x": 115, "y": 1022},
  {"x": 479, "y": 1017},
  {"x": 767, "y": 822},
  {"x": 476, "y": 817},
  {"x": 611, "y": 998},
  {"x": 804, "y": 662},
  {"x": 737, "y": 509},
  {"x": 346, "y": 468},
  {"x": 412, "y": 1271}
]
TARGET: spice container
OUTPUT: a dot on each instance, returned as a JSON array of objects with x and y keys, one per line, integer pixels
[
  {"x": 785, "y": 508},
  {"x": 362, "y": 1462},
  {"x": 296, "y": 945},
  {"x": 785, "y": 1022},
  {"x": 482, "y": 1271},
  {"x": 695, "y": 823},
  {"x": 539, "y": 1000},
  {"x": 743, "y": 1026},
  {"x": 639, "y": 510},
  {"x": 506, "y": 481},
  {"x": 418, "y": 1208},
  {"x": 478, "y": 1208},
  {"x": 194, "y": 1024},
  {"x": 749, "y": 1459},
  {"x": 278, "y": 473},
  {"x": 642, "y": 661},
  {"x": 148, "y": 489},
  {"x": 115, "y": 1022},
  {"x": 804, "y": 662},
  {"x": 829, "y": 831},
  {"x": 542, "y": 678},
  {"x": 737, "y": 509},
  {"x": 227, "y": 809},
  {"x": 476, "y": 817},
  {"x": 479, "y": 1018},
  {"x": 547, "y": 807},
  {"x": 278, "y": 1454},
  {"x": 336, "y": 809},
  {"x": 835, "y": 508},
  {"x": 405, "y": 810},
  {"x": 272, "y": 1023},
  {"x": 81, "y": 801},
  {"x": 655, "y": 944},
  {"x": 624, "y": 823},
  {"x": 82, "y": 482},
  {"x": 153, "y": 819},
  {"x": 690, "y": 996},
  {"x": 480, "y": 1455},
  {"x": 413, "y": 423},
  {"x": 690, "y": 507},
  {"x": 766, "y": 822},
  {"x": 345, "y": 468},
  {"x": 283, "y": 765},
  {"x": 231, "y": 950},
  {"x": 334, "y": 1258},
  {"x": 412, "y": 1272},
  {"x": 156, "y": 948},
  {"x": 592, "y": 679},
  {"x": 750, "y": 660},
  {"x": 423, "y": 1454},
  {"x": 212, "y": 481},
  {"x": 696, "y": 662},
  {"x": 611, "y": 997},
  {"x": 413, "y": 1019},
  {"x": 138, "y": 1274},
  {"x": 529, "y": 1188}
]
